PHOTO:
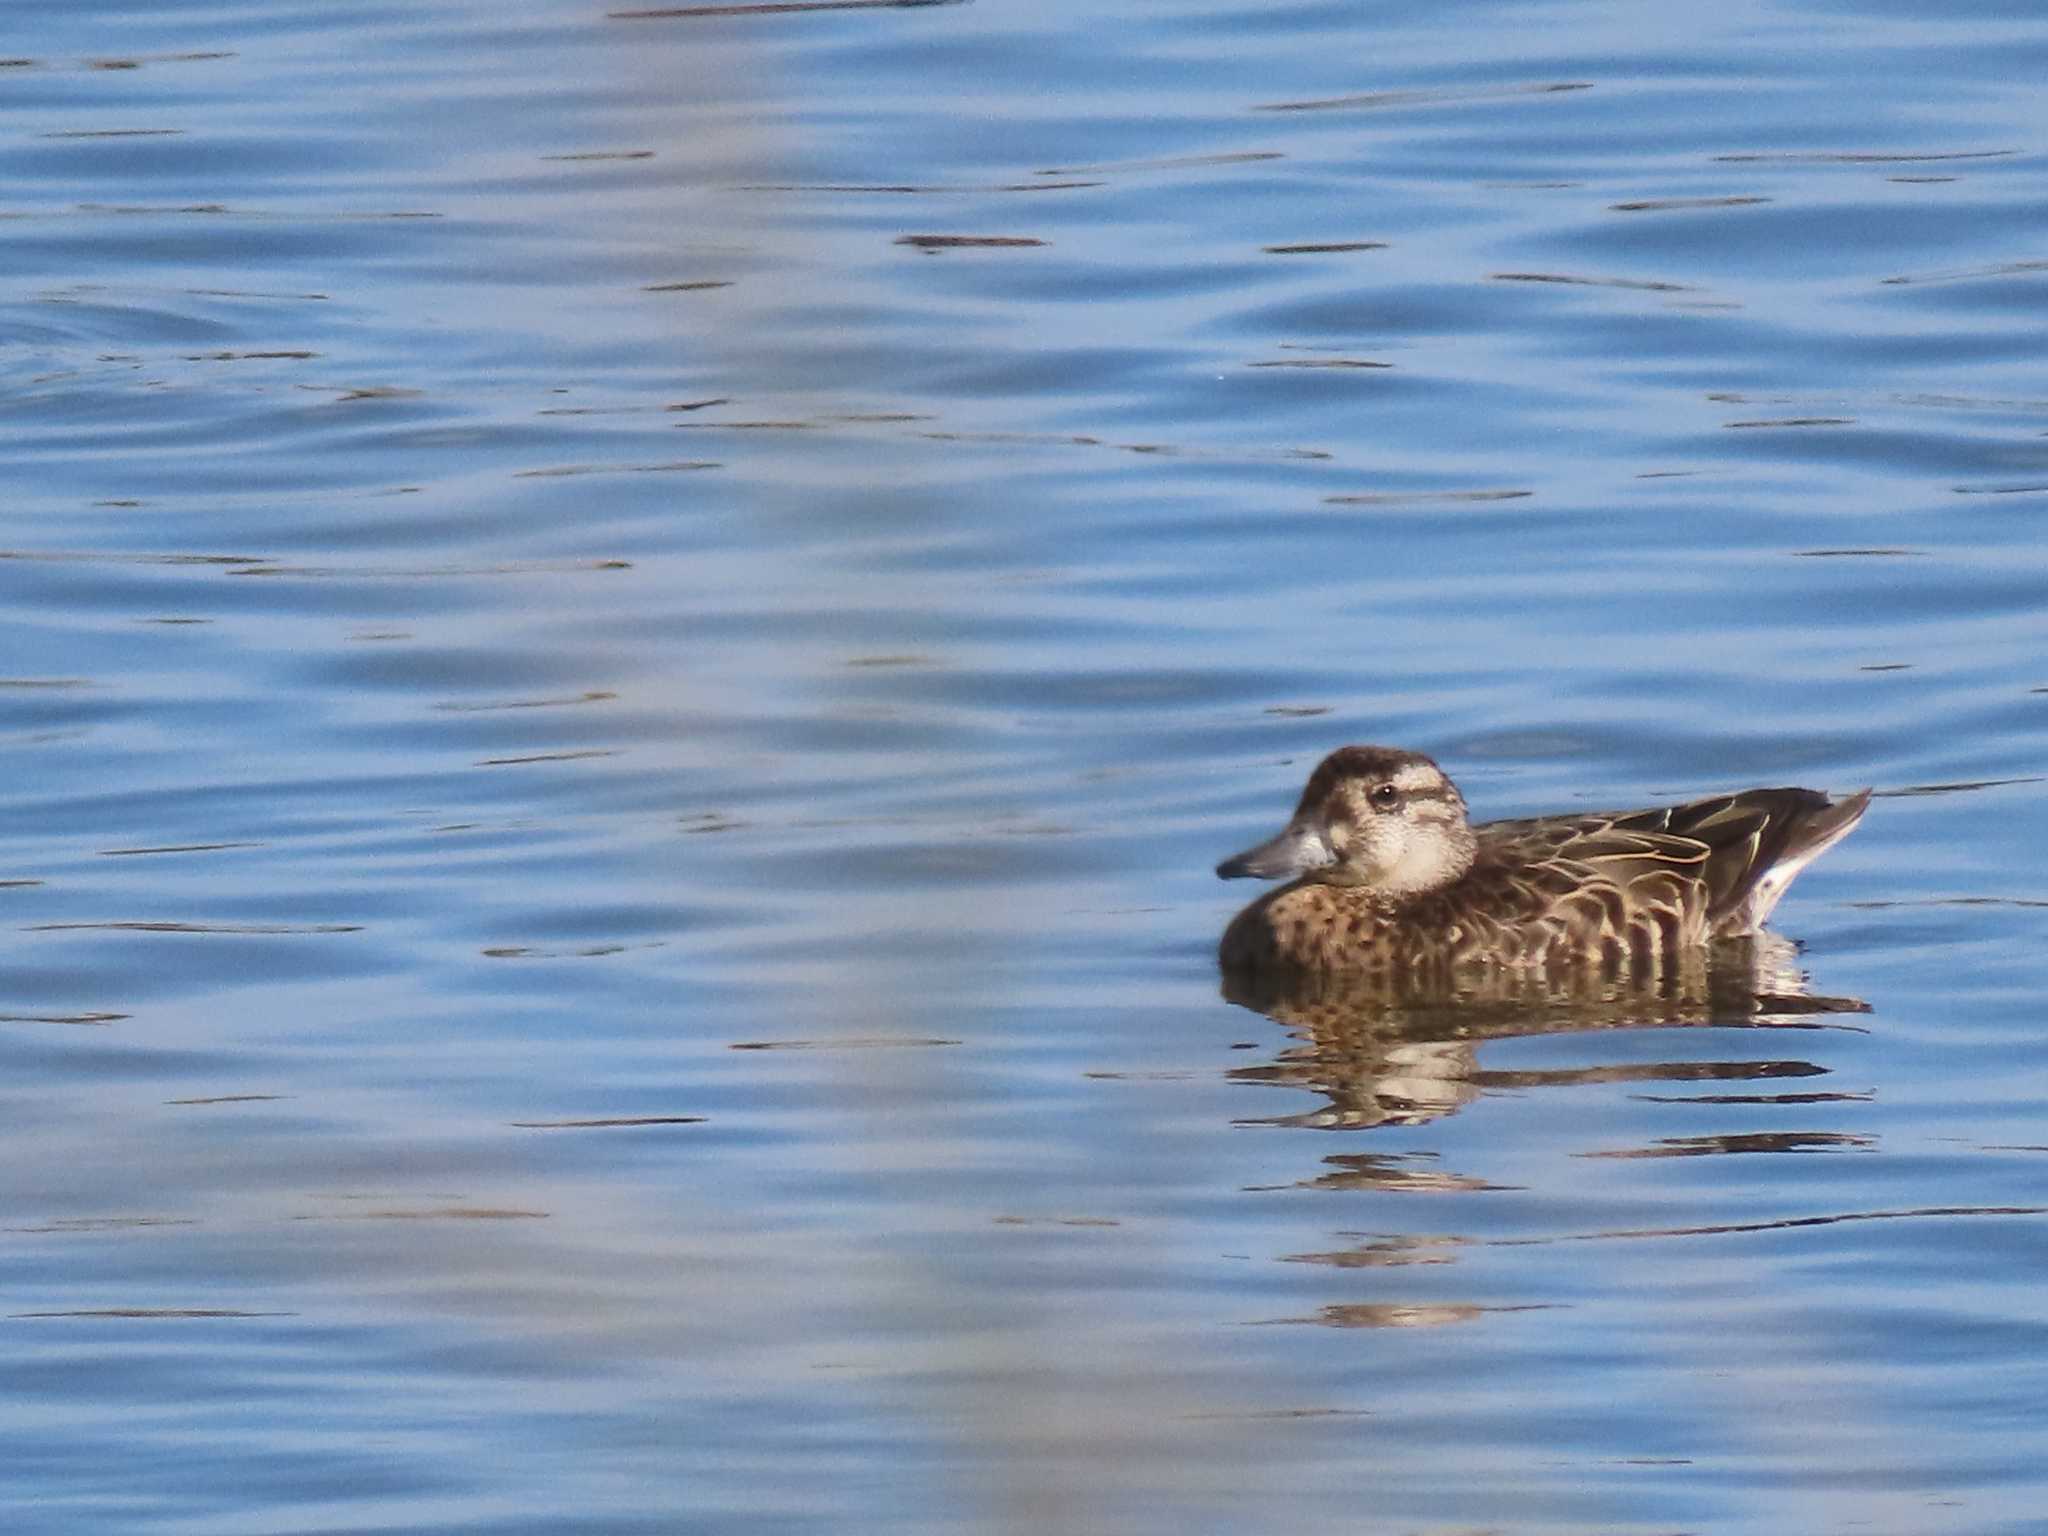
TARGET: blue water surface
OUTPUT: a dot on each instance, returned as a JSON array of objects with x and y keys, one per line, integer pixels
[{"x": 627, "y": 639}]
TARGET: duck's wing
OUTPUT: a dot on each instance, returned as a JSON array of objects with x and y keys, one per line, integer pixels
[
  {"x": 1594, "y": 886},
  {"x": 1715, "y": 866}
]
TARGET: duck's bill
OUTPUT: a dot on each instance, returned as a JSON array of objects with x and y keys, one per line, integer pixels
[{"x": 1294, "y": 852}]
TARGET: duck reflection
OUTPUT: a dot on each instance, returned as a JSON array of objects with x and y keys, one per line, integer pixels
[{"x": 1385, "y": 1052}]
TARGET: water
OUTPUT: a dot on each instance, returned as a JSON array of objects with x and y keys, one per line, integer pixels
[{"x": 617, "y": 744}]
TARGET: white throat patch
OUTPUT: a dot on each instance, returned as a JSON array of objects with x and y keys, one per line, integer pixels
[{"x": 1426, "y": 864}]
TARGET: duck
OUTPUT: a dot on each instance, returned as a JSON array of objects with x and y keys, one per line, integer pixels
[{"x": 1388, "y": 877}]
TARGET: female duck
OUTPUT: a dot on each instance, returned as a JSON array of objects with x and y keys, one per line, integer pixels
[{"x": 1391, "y": 878}]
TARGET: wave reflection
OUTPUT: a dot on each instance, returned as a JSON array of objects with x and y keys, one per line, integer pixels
[{"x": 1395, "y": 1053}]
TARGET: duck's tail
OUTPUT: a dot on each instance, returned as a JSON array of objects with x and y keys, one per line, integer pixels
[{"x": 1803, "y": 832}]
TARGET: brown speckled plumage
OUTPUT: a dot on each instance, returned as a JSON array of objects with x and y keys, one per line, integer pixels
[{"x": 1394, "y": 881}]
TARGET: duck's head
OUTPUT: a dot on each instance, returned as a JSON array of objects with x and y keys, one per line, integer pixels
[{"x": 1377, "y": 817}]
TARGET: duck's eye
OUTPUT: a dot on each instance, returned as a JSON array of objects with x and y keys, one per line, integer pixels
[{"x": 1384, "y": 797}]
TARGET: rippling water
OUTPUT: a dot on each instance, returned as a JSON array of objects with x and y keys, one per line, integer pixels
[{"x": 630, "y": 638}]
